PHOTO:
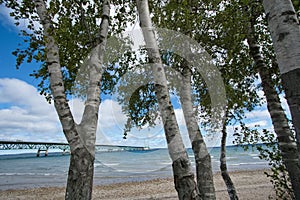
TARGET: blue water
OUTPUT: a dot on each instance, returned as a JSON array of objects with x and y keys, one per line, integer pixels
[{"x": 27, "y": 170}]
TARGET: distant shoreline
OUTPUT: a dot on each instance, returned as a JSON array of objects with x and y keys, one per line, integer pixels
[
  {"x": 33, "y": 151},
  {"x": 250, "y": 185}
]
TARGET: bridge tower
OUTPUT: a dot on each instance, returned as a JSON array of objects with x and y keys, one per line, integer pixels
[{"x": 39, "y": 151}]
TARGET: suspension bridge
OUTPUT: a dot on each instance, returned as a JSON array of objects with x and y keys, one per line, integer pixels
[{"x": 45, "y": 146}]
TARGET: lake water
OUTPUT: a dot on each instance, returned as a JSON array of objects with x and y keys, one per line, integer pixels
[{"x": 18, "y": 171}]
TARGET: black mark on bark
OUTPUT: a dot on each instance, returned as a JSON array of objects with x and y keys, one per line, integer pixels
[{"x": 282, "y": 36}]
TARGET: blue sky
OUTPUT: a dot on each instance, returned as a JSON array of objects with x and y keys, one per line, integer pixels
[
  {"x": 25, "y": 115},
  {"x": 9, "y": 40}
]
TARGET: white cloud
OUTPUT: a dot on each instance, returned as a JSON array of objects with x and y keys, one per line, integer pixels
[
  {"x": 9, "y": 21},
  {"x": 262, "y": 116},
  {"x": 25, "y": 95},
  {"x": 258, "y": 114},
  {"x": 179, "y": 117},
  {"x": 111, "y": 114},
  {"x": 260, "y": 123},
  {"x": 77, "y": 108},
  {"x": 25, "y": 114},
  {"x": 112, "y": 122},
  {"x": 111, "y": 127},
  {"x": 5, "y": 18},
  {"x": 285, "y": 105},
  {"x": 259, "y": 117}
]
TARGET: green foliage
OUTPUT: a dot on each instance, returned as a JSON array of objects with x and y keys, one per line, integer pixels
[
  {"x": 266, "y": 143},
  {"x": 75, "y": 26},
  {"x": 137, "y": 97},
  {"x": 278, "y": 175},
  {"x": 201, "y": 21},
  {"x": 296, "y": 4},
  {"x": 219, "y": 26},
  {"x": 225, "y": 40},
  {"x": 74, "y": 29}
]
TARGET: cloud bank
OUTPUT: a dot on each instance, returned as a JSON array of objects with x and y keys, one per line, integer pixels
[{"x": 25, "y": 115}]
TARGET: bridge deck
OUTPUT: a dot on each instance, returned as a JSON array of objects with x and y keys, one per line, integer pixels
[{"x": 42, "y": 146}]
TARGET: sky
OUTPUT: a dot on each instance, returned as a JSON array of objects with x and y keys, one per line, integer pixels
[{"x": 25, "y": 114}]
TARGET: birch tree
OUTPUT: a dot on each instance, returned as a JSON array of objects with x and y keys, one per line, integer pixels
[
  {"x": 285, "y": 31},
  {"x": 202, "y": 157},
  {"x": 286, "y": 142},
  {"x": 226, "y": 43},
  {"x": 267, "y": 70},
  {"x": 182, "y": 172},
  {"x": 188, "y": 18},
  {"x": 81, "y": 137},
  {"x": 227, "y": 48},
  {"x": 164, "y": 16},
  {"x": 143, "y": 111},
  {"x": 223, "y": 167},
  {"x": 47, "y": 46}
]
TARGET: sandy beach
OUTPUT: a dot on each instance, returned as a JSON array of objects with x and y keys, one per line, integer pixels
[{"x": 250, "y": 185}]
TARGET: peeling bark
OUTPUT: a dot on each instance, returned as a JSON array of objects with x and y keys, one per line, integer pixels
[
  {"x": 287, "y": 144},
  {"x": 182, "y": 171},
  {"x": 202, "y": 158}
]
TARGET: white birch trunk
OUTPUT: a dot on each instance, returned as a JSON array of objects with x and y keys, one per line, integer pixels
[
  {"x": 202, "y": 158},
  {"x": 286, "y": 142},
  {"x": 285, "y": 31},
  {"x": 182, "y": 171},
  {"x": 80, "y": 137},
  {"x": 56, "y": 79}
]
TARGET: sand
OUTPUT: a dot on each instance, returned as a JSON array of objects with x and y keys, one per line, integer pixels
[{"x": 250, "y": 185}]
